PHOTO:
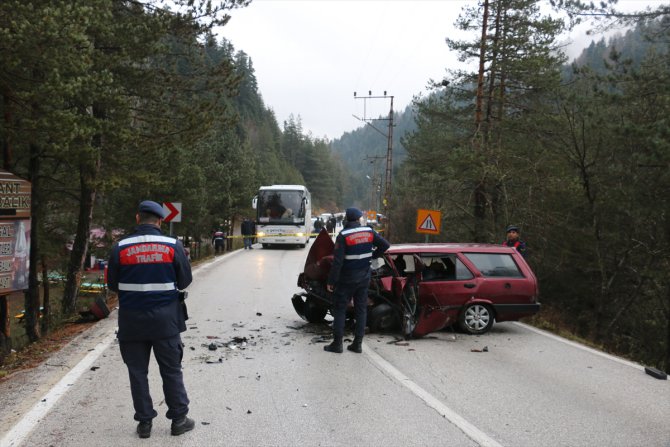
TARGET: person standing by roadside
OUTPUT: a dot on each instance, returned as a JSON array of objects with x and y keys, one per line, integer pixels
[
  {"x": 333, "y": 224},
  {"x": 355, "y": 247},
  {"x": 513, "y": 240},
  {"x": 318, "y": 225},
  {"x": 330, "y": 225},
  {"x": 218, "y": 239},
  {"x": 248, "y": 231},
  {"x": 148, "y": 270}
]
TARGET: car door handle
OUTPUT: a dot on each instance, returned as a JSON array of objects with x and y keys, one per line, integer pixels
[
  {"x": 469, "y": 285},
  {"x": 508, "y": 285}
]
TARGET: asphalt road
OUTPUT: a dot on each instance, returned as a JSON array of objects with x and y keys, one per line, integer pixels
[{"x": 269, "y": 382}]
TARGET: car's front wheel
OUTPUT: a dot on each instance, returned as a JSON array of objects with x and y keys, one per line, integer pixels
[
  {"x": 313, "y": 312},
  {"x": 476, "y": 318},
  {"x": 382, "y": 318}
]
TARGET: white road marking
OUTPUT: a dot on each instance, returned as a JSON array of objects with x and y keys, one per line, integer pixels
[
  {"x": 580, "y": 346},
  {"x": 466, "y": 427},
  {"x": 21, "y": 430}
]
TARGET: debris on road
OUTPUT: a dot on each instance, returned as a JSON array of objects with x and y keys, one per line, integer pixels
[
  {"x": 656, "y": 373},
  {"x": 320, "y": 339},
  {"x": 484, "y": 349}
]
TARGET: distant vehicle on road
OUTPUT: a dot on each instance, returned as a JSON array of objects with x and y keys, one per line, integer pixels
[
  {"x": 283, "y": 215},
  {"x": 422, "y": 288}
]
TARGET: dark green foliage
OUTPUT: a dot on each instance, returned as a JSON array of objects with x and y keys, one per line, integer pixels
[
  {"x": 105, "y": 104},
  {"x": 580, "y": 163}
]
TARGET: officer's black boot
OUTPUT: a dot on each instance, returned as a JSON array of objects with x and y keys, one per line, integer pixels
[
  {"x": 181, "y": 426},
  {"x": 144, "y": 429},
  {"x": 355, "y": 346},
  {"x": 335, "y": 346}
]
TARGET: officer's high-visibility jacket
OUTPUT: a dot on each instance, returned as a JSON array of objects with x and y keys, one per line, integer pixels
[
  {"x": 355, "y": 247},
  {"x": 147, "y": 270}
]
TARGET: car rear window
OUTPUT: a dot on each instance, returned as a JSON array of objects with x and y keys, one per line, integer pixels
[{"x": 495, "y": 264}]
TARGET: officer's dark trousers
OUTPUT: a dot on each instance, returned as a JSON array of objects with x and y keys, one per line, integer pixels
[
  {"x": 344, "y": 290},
  {"x": 168, "y": 353}
]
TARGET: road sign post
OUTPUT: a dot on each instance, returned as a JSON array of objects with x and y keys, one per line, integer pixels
[
  {"x": 428, "y": 222},
  {"x": 173, "y": 210}
]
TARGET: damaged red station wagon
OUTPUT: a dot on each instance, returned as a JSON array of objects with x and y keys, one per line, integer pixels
[{"x": 421, "y": 288}]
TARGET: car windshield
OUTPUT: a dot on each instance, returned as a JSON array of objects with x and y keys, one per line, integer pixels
[{"x": 495, "y": 264}]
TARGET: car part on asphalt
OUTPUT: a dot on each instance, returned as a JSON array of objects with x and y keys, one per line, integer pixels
[{"x": 657, "y": 373}]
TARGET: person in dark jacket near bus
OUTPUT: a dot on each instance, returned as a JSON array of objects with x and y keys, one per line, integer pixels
[
  {"x": 248, "y": 230},
  {"x": 513, "y": 240},
  {"x": 148, "y": 270},
  {"x": 355, "y": 247}
]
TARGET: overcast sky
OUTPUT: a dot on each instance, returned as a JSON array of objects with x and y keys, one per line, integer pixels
[{"x": 310, "y": 56}]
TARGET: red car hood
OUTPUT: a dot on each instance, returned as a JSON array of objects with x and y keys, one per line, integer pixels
[{"x": 319, "y": 258}]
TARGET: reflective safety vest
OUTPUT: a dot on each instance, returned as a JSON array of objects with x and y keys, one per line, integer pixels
[
  {"x": 147, "y": 277},
  {"x": 357, "y": 247}
]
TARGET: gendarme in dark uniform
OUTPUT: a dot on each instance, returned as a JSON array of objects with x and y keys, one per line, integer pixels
[
  {"x": 147, "y": 270},
  {"x": 349, "y": 276}
]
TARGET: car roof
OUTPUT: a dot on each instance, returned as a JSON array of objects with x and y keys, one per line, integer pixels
[{"x": 449, "y": 248}]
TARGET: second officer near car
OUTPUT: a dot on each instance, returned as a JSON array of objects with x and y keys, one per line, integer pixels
[
  {"x": 349, "y": 276},
  {"x": 148, "y": 270}
]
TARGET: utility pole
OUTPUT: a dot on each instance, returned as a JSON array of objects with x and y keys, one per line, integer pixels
[
  {"x": 389, "y": 154},
  {"x": 375, "y": 181}
]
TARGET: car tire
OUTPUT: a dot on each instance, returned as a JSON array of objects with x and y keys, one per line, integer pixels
[
  {"x": 313, "y": 312},
  {"x": 476, "y": 318},
  {"x": 382, "y": 318}
]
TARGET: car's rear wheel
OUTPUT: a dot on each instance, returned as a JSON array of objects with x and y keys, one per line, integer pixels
[
  {"x": 313, "y": 312},
  {"x": 382, "y": 318},
  {"x": 476, "y": 318}
]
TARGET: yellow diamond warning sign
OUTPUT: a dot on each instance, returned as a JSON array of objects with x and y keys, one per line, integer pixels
[{"x": 428, "y": 221}]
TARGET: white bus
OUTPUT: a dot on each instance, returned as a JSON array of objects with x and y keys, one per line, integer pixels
[{"x": 283, "y": 215}]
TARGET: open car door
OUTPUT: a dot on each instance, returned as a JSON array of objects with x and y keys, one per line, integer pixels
[{"x": 429, "y": 316}]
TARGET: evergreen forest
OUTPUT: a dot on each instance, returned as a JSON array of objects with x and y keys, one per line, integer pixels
[{"x": 109, "y": 102}]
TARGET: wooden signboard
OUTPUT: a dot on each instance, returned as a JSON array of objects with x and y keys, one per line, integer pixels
[{"x": 14, "y": 232}]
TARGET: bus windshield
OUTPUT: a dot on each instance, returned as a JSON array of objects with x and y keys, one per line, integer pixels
[{"x": 281, "y": 207}]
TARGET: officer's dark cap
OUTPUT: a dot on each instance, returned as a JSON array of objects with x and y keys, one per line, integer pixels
[
  {"x": 151, "y": 207},
  {"x": 512, "y": 228},
  {"x": 353, "y": 214}
]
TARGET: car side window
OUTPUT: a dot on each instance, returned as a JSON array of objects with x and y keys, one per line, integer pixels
[
  {"x": 444, "y": 268},
  {"x": 462, "y": 272},
  {"x": 495, "y": 264}
]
